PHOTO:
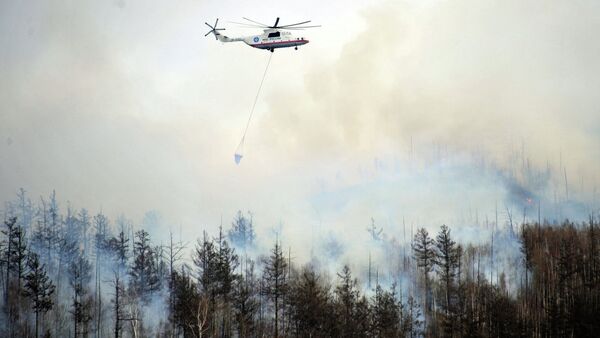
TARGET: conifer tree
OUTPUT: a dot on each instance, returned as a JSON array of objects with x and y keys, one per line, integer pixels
[
  {"x": 15, "y": 263},
  {"x": 346, "y": 298},
  {"x": 144, "y": 275},
  {"x": 446, "y": 260},
  {"x": 117, "y": 301},
  {"x": 18, "y": 255},
  {"x": 385, "y": 313},
  {"x": 25, "y": 210},
  {"x": 80, "y": 275},
  {"x": 227, "y": 263},
  {"x": 205, "y": 259},
  {"x": 245, "y": 302},
  {"x": 84, "y": 223},
  {"x": 101, "y": 228},
  {"x": 187, "y": 302},
  {"x": 413, "y": 322},
  {"x": 275, "y": 281},
  {"x": 310, "y": 303},
  {"x": 38, "y": 288},
  {"x": 424, "y": 254},
  {"x": 242, "y": 233},
  {"x": 119, "y": 249}
]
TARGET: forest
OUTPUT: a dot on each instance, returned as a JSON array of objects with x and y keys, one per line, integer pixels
[{"x": 69, "y": 273}]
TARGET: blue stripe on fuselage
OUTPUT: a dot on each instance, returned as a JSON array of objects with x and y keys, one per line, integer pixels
[{"x": 279, "y": 44}]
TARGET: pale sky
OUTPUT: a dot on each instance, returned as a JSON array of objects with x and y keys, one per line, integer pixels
[{"x": 124, "y": 106}]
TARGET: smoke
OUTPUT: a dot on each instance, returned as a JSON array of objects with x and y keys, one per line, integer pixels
[
  {"x": 469, "y": 76},
  {"x": 463, "y": 113}
]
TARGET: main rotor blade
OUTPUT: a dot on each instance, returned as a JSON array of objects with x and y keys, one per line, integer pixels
[
  {"x": 216, "y": 22},
  {"x": 276, "y": 22},
  {"x": 211, "y": 27},
  {"x": 295, "y": 24},
  {"x": 219, "y": 29},
  {"x": 303, "y": 27},
  {"x": 207, "y": 33},
  {"x": 256, "y": 22},
  {"x": 246, "y": 25}
]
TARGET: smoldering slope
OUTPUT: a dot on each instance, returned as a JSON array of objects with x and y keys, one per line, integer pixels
[{"x": 447, "y": 112}]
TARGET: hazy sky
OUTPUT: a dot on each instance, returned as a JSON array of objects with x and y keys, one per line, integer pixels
[{"x": 124, "y": 106}]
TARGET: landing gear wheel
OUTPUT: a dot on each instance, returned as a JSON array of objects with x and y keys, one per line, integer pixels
[
  {"x": 272, "y": 50},
  {"x": 296, "y": 48}
]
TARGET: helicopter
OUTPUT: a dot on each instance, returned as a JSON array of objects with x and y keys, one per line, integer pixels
[{"x": 273, "y": 37}]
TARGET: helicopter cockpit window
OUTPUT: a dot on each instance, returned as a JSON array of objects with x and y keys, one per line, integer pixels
[{"x": 275, "y": 34}]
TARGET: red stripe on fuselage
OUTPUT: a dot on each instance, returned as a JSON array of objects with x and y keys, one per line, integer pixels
[{"x": 276, "y": 43}]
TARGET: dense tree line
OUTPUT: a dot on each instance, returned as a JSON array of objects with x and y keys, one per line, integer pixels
[{"x": 72, "y": 274}]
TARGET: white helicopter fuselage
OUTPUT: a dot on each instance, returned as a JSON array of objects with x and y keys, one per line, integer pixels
[{"x": 271, "y": 39}]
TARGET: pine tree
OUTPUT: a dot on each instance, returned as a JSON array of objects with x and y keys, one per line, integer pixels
[
  {"x": 26, "y": 212},
  {"x": 242, "y": 233},
  {"x": 227, "y": 263},
  {"x": 175, "y": 251},
  {"x": 15, "y": 262},
  {"x": 119, "y": 249},
  {"x": 118, "y": 296},
  {"x": 275, "y": 281},
  {"x": 362, "y": 317},
  {"x": 6, "y": 250},
  {"x": 102, "y": 233},
  {"x": 593, "y": 275},
  {"x": 101, "y": 227},
  {"x": 310, "y": 304},
  {"x": 84, "y": 223},
  {"x": 425, "y": 256},
  {"x": 38, "y": 287},
  {"x": 385, "y": 313},
  {"x": 245, "y": 302},
  {"x": 144, "y": 275},
  {"x": 413, "y": 316},
  {"x": 72, "y": 229},
  {"x": 67, "y": 251},
  {"x": 189, "y": 306},
  {"x": 346, "y": 298},
  {"x": 446, "y": 261},
  {"x": 18, "y": 254},
  {"x": 205, "y": 259},
  {"x": 80, "y": 275},
  {"x": 44, "y": 237}
]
